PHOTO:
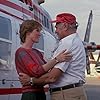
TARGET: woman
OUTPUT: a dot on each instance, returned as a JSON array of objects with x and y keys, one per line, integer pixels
[{"x": 30, "y": 61}]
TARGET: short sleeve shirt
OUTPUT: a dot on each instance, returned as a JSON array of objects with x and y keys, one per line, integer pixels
[
  {"x": 74, "y": 70},
  {"x": 29, "y": 62}
]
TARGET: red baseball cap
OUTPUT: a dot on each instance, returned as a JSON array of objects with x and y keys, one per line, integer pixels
[{"x": 65, "y": 17}]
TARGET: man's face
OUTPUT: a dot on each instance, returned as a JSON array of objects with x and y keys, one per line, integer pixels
[{"x": 60, "y": 30}]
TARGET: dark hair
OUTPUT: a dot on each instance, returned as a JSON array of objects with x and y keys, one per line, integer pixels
[{"x": 28, "y": 26}]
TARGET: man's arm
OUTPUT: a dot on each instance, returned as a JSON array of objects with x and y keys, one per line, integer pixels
[
  {"x": 47, "y": 78},
  {"x": 50, "y": 77}
]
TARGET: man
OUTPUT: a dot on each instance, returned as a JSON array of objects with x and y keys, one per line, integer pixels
[{"x": 66, "y": 79}]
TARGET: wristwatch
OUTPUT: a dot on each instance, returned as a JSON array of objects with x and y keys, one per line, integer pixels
[
  {"x": 56, "y": 60},
  {"x": 31, "y": 81}
]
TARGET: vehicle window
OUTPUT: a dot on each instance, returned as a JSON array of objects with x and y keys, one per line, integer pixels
[
  {"x": 5, "y": 53},
  {"x": 5, "y": 28},
  {"x": 5, "y": 42}
]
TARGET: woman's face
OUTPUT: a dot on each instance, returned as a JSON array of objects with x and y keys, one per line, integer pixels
[{"x": 35, "y": 35}]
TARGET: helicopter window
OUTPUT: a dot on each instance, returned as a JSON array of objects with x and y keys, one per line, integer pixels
[
  {"x": 5, "y": 53},
  {"x": 52, "y": 27},
  {"x": 44, "y": 21},
  {"x": 47, "y": 24},
  {"x": 5, "y": 42},
  {"x": 5, "y": 28}
]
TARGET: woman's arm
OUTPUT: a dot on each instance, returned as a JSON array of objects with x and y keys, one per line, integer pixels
[{"x": 61, "y": 57}]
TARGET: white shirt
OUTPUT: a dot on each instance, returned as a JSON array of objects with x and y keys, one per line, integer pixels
[{"x": 74, "y": 70}]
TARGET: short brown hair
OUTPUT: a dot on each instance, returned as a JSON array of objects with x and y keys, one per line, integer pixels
[{"x": 28, "y": 26}]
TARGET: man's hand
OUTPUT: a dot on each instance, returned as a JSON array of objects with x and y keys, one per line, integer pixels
[
  {"x": 24, "y": 79},
  {"x": 64, "y": 56}
]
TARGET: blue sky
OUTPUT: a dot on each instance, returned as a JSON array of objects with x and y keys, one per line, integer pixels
[{"x": 81, "y": 9}]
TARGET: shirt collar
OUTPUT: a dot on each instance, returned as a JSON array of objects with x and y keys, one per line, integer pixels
[{"x": 68, "y": 37}]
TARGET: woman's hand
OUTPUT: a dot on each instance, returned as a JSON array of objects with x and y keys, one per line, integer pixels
[{"x": 64, "y": 56}]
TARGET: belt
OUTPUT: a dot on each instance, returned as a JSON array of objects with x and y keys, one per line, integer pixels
[{"x": 66, "y": 87}]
